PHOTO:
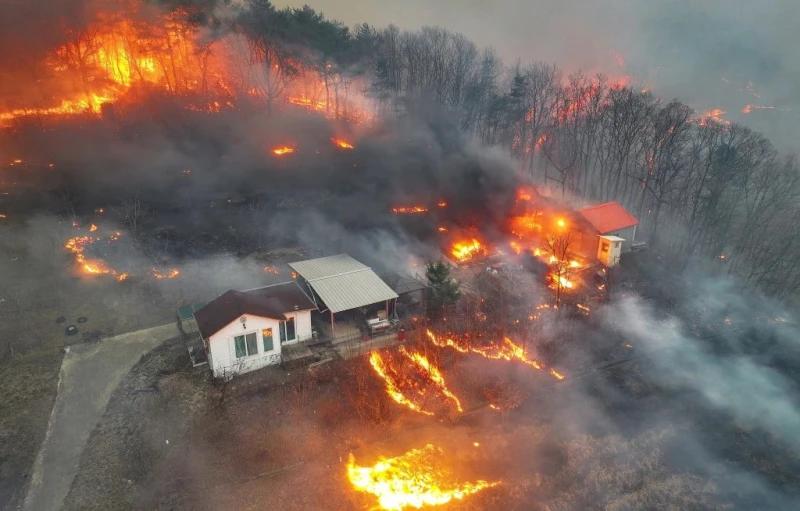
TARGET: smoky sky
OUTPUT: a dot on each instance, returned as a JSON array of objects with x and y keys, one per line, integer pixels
[{"x": 678, "y": 48}]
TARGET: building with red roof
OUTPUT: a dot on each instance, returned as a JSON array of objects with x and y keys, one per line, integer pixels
[{"x": 612, "y": 223}]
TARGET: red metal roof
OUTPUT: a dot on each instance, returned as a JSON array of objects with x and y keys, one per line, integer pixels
[{"x": 608, "y": 217}]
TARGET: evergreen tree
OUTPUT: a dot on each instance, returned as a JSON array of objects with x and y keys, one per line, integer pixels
[{"x": 445, "y": 290}]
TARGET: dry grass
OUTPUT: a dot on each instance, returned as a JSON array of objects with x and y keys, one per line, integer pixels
[{"x": 28, "y": 386}]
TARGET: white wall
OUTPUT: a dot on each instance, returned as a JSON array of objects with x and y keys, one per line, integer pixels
[
  {"x": 628, "y": 234},
  {"x": 222, "y": 351}
]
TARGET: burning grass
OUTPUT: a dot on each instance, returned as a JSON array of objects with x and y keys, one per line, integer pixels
[
  {"x": 416, "y": 479},
  {"x": 411, "y": 380},
  {"x": 506, "y": 350}
]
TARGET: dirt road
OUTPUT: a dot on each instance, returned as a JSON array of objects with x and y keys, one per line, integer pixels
[{"x": 89, "y": 374}]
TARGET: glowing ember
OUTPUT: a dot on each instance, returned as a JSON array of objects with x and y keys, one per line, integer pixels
[
  {"x": 409, "y": 210},
  {"x": 416, "y": 479},
  {"x": 271, "y": 269},
  {"x": 122, "y": 276},
  {"x": 412, "y": 384},
  {"x": 466, "y": 250},
  {"x": 505, "y": 351},
  {"x": 158, "y": 275},
  {"x": 3, "y": 216},
  {"x": 92, "y": 228},
  {"x": 584, "y": 308},
  {"x": 344, "y": 144},
  {"x": 442, "y": 229},
  {"x": 556, "y": 374},
  {"x": 280, "y": 151},
  {"x": 442, "y": 204}
]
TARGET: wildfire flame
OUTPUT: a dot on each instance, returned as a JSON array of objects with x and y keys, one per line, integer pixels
[
  {"x": 409, "y": 210},
  {"x": 413, "y": 387},
  {"x": 466, "y": 250},
  {"x": 280, "y": 151},
  {"x": 170, "y": 275},
  {"x": 344, "y": 144},
  {"x": 507, "y": 350},
  {"x": 415, "y": 479}
]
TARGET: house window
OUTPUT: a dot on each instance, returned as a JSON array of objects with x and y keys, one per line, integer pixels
[
  {"x": 604, "y": 247},
  {"x": 267, "y": 335},
  {"x": 287, "y": 330},
  {"x": 246, "y": 345}
]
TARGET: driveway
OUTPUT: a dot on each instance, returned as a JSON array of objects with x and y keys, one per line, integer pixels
[{"x": 89, "y": 375}]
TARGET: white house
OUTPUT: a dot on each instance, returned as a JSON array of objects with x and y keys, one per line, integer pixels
[{"x": 244, "y": 330}]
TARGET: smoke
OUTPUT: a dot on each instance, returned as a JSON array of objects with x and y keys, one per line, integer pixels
[{"x": 679, "y": 48}]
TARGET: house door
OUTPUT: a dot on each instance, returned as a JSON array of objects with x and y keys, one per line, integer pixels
[{"x": 287, "y": 330}]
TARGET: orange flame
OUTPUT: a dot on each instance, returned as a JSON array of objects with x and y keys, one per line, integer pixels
[
  {"x": 505, "y": 351},
  {"x": 171, "y": 275},
  {"x": 280, "y": 151},
  {"x": 406, "y": 389},
  {"x": 344, "y": 144},
  {"x": 409, "y": 210},
  {"x": 271, "y": 269},
  {"x": 416, "y": 479},
  {"x": 466, "y": 250},
  {"x": 92, "y": 228}
]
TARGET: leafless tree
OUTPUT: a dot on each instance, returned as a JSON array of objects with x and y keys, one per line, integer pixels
[
  {"x": 133, "y": 212},
  {"x": 559, "y": 248}
]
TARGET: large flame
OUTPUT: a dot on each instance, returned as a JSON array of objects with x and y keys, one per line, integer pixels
[
  {"x": 128, "y": 51},
  {"x": 506, "y": 350},
  {"x": 415, "y": 479},
  {"x": 467, "y": 249},
  {"x": 412, "y": 385}
]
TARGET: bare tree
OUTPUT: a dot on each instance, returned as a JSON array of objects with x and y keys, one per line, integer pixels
[
  {"x": 559, "y": 248},
  {"x": 133, "y": 212}
]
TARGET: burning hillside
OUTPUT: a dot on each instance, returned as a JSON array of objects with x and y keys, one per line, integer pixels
[{"x": 121, "y": 53}]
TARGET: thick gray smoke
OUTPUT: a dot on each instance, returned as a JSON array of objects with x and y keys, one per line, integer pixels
[{"x": 678, "y": 48}]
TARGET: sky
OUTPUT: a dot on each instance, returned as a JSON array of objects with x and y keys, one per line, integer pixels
[{"x": 710, "y": 54}]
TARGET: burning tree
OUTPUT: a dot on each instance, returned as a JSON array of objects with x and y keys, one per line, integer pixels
[
  {"x": 559, "y": 246},
  {"x": 445, "y": 290}
]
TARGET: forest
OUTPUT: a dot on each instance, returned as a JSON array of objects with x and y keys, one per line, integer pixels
[{"x": 706, "y": 191}]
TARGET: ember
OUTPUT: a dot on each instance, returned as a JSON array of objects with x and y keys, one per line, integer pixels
[
  {"x": 417, "y": 478},
  {"x": 271, "y": 269}
]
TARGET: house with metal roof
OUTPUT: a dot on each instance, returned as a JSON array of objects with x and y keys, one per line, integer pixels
[
  {"x": 246, "y": 330},
  {"x": 339, "y": 284}
]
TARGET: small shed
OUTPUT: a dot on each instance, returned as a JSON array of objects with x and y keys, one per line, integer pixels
[
  {"x": 608, "y": 219},
  {"x": 410, "y": 291}
]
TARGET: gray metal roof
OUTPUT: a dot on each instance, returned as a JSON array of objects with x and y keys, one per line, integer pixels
[
  {"x": 343, "y": 283},
  {"x": 330, "y": 266}
]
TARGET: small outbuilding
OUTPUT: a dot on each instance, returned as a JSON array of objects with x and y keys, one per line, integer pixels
[
  {"x": 246, "y": 330},
  {"x": 608, "y": 230}
]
